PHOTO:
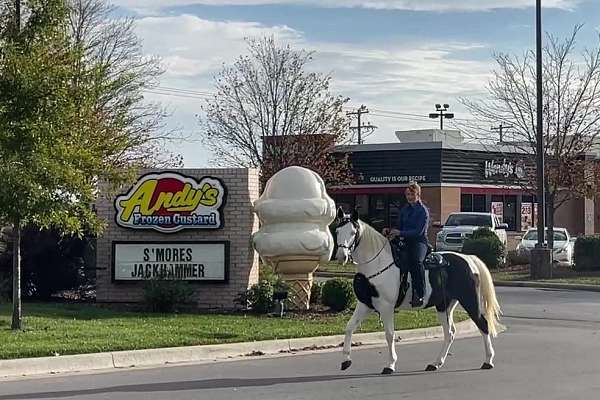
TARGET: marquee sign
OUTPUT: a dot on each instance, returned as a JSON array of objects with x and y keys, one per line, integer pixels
[
  {"x": 189, "y": 261},
  {"x": 169, "y": 202}
]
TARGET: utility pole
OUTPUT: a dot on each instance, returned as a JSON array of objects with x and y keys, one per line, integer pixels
[
  {"x": 361, "y": 110},
  {"x": 500, "y": 128},
  {"x": 441, "y": 113}
]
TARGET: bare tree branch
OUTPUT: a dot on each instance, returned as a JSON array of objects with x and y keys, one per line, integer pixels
[{"x": 269, "y": 112}]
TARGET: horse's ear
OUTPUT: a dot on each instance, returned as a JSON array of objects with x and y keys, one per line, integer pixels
[
  {"x": 340, "y": 213},
  {"x": 354, "y": 215}
]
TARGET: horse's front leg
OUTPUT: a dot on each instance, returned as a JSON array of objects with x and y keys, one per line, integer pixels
[
  {"x": 360, "y": 312},
  {"x": 387, "y": 315}
]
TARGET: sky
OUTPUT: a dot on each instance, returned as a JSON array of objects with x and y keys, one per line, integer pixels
[{"x": 397, "y": 57}]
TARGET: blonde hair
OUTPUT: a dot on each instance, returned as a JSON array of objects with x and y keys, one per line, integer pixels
[{"x": 414, "y": 187}]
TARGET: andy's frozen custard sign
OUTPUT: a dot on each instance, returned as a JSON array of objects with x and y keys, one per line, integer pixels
[{"x": 169, "y": 202}]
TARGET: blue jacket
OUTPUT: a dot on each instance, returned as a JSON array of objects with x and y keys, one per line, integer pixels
[{"x": 413, "y": 222}]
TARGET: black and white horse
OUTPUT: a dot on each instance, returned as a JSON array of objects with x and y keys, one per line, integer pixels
[{"x": 463, "y": 279}]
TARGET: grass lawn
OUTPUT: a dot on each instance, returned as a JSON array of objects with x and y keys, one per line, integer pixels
[
  {"x": 559, "y": 275},
  {"x": 59, "y": 329},
  {"x": 337, "y": 267}
]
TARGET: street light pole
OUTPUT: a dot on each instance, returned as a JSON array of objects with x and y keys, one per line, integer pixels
[
  {"x": 441, "y": 113},
  {"x": 541, "y": 255},
  {"x": 539, "y": 128}
]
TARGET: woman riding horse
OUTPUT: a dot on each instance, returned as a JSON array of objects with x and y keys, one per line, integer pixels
[{"x": 412, "y": 227}]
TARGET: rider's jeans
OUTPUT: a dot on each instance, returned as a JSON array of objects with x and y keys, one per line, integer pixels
[{"x": 416, "y": 252}]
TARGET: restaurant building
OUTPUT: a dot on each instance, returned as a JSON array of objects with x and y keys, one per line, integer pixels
[{"x": 454, "y": 176}]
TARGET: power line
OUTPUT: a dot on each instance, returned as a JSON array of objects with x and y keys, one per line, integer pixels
[
  {"x": 400, "y": 117},
  {"x": 203, "y": 95},
  {"x": 175, "y": 94},
  {"x": 185, "y": 91}
]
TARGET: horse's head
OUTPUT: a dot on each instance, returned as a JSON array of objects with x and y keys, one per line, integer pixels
[{"x": 347, "y": 235}]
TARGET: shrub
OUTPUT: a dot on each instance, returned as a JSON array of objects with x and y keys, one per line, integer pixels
[
  {"x": 50, "y": 262},
  {"x": 260, "y": 297},
  {"x": 488, "y": 248},
  {"x": 266, "y": 273},
  {"x": 164, "y": 295},
  {"x": 5, "y": 289},
  {"x": 316, "y": 293},
  {"x": 483, "y": 233},
  {"x": 587, "y": 253},
  {"x": 338, "y": 294}
]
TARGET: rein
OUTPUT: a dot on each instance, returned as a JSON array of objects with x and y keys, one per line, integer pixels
[{"x": 352, "y": 247}]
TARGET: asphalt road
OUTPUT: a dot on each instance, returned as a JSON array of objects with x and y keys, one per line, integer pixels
[{"x": 551, "y": 350}]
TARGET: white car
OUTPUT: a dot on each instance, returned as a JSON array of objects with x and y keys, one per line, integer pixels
[
  {"x": 460, "y": 226},
  {"x": 563, "y": 245}
]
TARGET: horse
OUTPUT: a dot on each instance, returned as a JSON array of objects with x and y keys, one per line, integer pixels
[{"x": 459, "y": 279}]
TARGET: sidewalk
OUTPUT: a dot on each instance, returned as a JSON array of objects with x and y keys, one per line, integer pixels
[{"x": 212, "y": 353}]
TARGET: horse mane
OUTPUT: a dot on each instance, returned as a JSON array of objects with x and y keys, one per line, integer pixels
[{"x": 370, "y": 237}]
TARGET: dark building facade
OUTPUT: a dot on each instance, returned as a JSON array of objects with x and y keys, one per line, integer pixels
[{"x": 454, "y": 176}]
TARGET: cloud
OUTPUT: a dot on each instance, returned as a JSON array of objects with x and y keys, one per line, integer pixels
[
  {"x": 406, "y": 78},
  {"x": 415, "y": 5},
  {"x": 191, "y": 46}
]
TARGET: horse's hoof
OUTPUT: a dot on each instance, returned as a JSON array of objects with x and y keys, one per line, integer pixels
[
  {"x": 387, "y": 371},
  {"x": 431, "y": 368},
  {"x": 346, "y": 365},
  {"x": 487, "y": 366}
]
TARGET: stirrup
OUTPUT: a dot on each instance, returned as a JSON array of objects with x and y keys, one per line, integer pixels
[{"x": 417, "y": 302}]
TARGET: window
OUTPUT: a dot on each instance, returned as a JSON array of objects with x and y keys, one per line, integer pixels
[
  {"x": 466, "y": 202},
  {"x": 472, "y": 202},
  {"x": 469, "y": 220},
  {"x": 559, "y": 236},
  {"x": 396, "y": 202},
  {"x": 479, "y": 203},
  {"x": 378, "y": 211},
  {"x": 346, "y": 201}
]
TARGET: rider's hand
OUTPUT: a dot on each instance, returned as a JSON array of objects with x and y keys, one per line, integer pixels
[
  {"x": 385, "y": 231},
  {"x": 393, "y": 233}
]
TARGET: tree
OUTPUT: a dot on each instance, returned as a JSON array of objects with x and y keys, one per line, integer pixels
[
  {"x": 571, "y": 99},
  {"x": 111, "y": 48},
  {"x": 269, "y": 112},
  {"x": 71, "y": 116}
]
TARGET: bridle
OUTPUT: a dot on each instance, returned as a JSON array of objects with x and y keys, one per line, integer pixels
[{"x": 356, "y": 241}]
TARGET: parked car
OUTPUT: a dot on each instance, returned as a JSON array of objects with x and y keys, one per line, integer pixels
[
  {"x": 563, "y": 245},
  {"x": 461, "y": 225}
]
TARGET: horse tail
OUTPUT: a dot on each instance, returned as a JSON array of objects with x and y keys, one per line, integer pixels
[{"x": 490, "y": 304}]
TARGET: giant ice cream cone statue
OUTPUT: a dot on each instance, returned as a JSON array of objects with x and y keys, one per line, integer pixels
[{"x": 295, "y": 211}]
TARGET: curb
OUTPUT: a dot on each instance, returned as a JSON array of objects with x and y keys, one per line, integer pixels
[
  {"x": 530, "y": 284},
  {"x": 211, "y": 353},
  {"x": 548, "y": 285}
]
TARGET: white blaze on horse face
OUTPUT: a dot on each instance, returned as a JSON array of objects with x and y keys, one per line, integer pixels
[{"x": 345, "y": 237}]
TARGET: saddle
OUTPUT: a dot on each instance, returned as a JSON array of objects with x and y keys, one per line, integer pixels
[{"x": 434, "y": 262}]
